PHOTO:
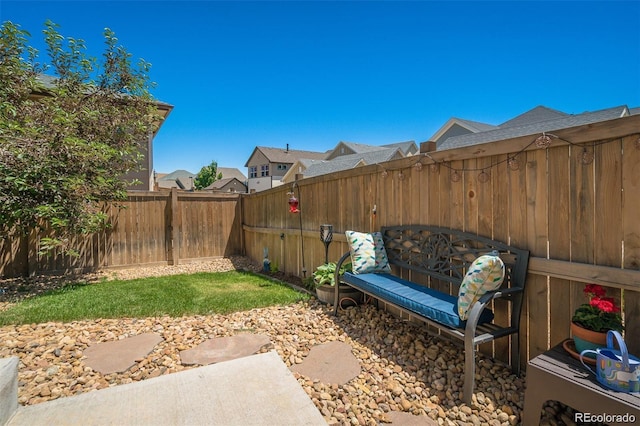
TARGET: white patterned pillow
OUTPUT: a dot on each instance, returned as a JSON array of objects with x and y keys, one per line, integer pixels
[
  {"x": 486, "y": 273},
  {"x": 367, "y": 252}
]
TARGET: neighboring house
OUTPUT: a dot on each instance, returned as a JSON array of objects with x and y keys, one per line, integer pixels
[
  {"x": 457, "y": 133},
  {"x": 145, "y": 174},
  {"x": 267, "y": 166},
  {"x": 348, "y": 155},
  {"x": 180, "y": 179},
  {"x": 231, "y": 184}
]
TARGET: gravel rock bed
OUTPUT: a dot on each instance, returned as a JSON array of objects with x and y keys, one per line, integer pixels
[{"x": 403, "y": 369}]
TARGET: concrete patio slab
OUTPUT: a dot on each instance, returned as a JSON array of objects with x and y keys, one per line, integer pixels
[
  {"x": 253, "y": 390},
  {"x": 330, "y": 362},
  {"x": 120, "y": 355},
  {"x": 221, "y": 349},
  {"x": 8, "y": 387}
]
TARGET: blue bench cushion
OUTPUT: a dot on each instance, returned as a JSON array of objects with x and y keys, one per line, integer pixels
[{"x": 437, "y": 306}]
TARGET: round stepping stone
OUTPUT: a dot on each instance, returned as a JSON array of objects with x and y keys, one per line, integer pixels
[
  {"x": 330, "y": 362},
  {"x": 408, "y": 419},
  {"x": 120, "y": 355},
  {"x": 224, "y": 349}
]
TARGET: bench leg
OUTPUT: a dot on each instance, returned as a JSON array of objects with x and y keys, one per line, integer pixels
[
  {"x": 469, "y": 369},
  {"x": 515, "y": 354}
]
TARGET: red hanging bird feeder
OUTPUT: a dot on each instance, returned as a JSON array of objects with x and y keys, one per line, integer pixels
[{"x": 293, "y": 203}]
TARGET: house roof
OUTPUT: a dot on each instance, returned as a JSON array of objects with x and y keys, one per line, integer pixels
[
  {"x": 363, "y": 148},
  {"x": 471, "y": 126},
  {"x": 223, "y": 182},
  {"x": 232, "y": 172},
  {"x": 177, "y": 179},
  {"x": 535, "y": 115},
  {"x": 359, "y": 147},
  {"x": 48, "y": 82},
  {"x": 531, "y": 127},
  {"x": 408, "y": 147},
  {"x": 350, "y": 161},
  {"x": 177, "y": 174},
  {"x": 285, "y": 156}
]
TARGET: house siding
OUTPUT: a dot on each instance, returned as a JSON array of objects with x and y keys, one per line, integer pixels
[
  {"x": 339, "y": 151},
  {"x": 144, "y": 175},
  {"x": 455, "y": 130},
  {"x": 259, "y": 183}
]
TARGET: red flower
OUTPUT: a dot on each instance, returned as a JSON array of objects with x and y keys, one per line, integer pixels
[
  {"x": 605, "y": 304},
  {"x": 600, "y": 314},
  {"x": 594, "y": 290}
]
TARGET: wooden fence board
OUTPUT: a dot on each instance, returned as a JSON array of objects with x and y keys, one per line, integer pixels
[
  {"x": 559, "y": 240},
  {"x": 414, "y": 188},
  {"x": 608, "y": 234},
  {"x": 537, "y": 230},
  {"x": 498, "y": 219},
  {"x": 485, "y": 197},
  {"x": 469, "y": 195},
  {"x": 631, "y": 237},
  {"x": 457, "y": 199},
  {"x": 433, "y": 177}
]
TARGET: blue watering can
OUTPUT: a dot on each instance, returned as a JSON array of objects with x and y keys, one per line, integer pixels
[{"x": 615, "y": 369}]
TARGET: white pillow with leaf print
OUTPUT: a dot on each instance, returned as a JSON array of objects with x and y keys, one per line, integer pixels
[
  {"x": 367, "y": 252},
  {"x": 486, "y": 273}
]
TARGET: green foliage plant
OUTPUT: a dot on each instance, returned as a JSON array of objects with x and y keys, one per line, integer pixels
[
  {"x": 70, "y": 128},
  {"x": 325, "y": 274},
  {"x": 600, "y": 314},
  {"x": 207, "y": 175}
]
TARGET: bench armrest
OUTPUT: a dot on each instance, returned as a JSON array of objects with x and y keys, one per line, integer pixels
[
  {"x": 336, "y": 277},
  {"x": 478, "y": 307},
  {"x": 336, "y": 281}
]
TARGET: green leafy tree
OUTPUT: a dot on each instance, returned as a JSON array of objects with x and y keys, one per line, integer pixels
[
  {"x": 207, "y": 175},
  {"x": 70, "y": 127}
]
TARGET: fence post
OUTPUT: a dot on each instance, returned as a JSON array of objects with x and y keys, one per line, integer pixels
[{"x": 173, "y": 228}]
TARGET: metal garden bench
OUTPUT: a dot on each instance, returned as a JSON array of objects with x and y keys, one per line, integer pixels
[{"x": 426, "y": 258}]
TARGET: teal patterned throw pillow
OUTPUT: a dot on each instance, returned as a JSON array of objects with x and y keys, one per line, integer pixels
[
  {"x": 367, "y": 252},
  {"x": 486, "y": 273}
]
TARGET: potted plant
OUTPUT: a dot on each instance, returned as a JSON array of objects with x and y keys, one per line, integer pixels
[
  {"x": 592, "y": 320},
  {"x": 324, "y": 282}
]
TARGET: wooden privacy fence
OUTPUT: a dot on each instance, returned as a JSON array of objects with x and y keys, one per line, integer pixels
[
  {"x": 153, "y": 228},
  {"x": 574, "y": 205}
]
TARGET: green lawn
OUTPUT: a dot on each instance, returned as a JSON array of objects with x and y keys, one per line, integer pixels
[{"x": 176, "y": 295}]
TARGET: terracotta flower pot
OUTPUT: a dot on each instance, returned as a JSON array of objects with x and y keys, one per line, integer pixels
[{"x": 587, "y": 339}]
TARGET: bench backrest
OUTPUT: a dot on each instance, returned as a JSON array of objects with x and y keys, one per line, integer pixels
[{"x": 446, "y": 254}]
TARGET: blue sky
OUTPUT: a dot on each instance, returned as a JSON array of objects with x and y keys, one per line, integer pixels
[{"x": 312, "y": 74}]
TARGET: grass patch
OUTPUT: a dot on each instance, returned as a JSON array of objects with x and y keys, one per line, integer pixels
[{"x": 175, "y": 295}]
